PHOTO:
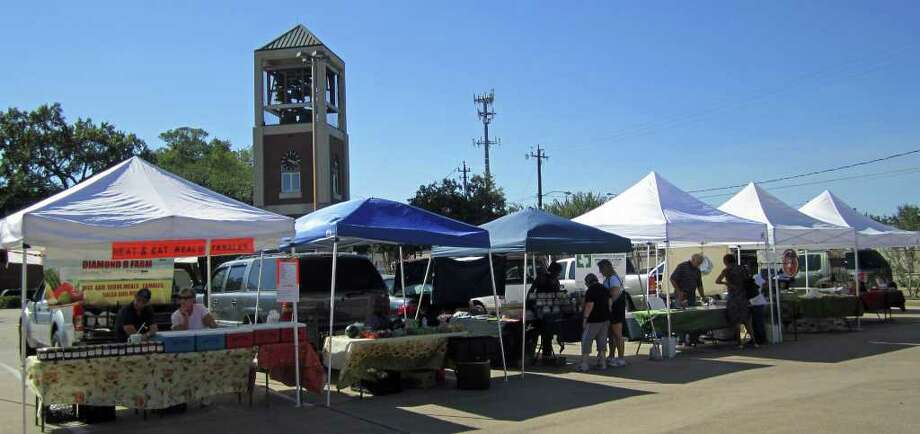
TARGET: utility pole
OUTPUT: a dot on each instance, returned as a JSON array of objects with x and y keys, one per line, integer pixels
[
  {"x": 464, "y": 170},
  {"x": 484, "y": 108},
  {"x": 539, "y": 156}
]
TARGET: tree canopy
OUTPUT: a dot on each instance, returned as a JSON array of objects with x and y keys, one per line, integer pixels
[
  {"x": 482, "y": 203},
  {"x": 575, "y": 204},
  {"x": 42, "y": 154},
  {"x": 210, "y": 163}
]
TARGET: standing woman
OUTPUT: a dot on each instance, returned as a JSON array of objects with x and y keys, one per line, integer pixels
[
  {"x": 617, "y": 313},
  {"x": 737, "y": 311}
]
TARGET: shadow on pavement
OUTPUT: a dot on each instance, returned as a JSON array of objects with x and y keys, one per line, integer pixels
[
  {"x": 538, "y": 395},
  {"x": 874, "y": 338}
]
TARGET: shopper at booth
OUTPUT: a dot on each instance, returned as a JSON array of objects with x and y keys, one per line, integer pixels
[
  {"x": 737, "y": 309},
  {"x": 136, "y": 317},
  {"x": 614, "y": 286},
  {"x": 548, "y": 281},
  {"x": 595, "y": 322},
  {"x": 191, "y": 315},
  {"x": 687, "y": 280}
]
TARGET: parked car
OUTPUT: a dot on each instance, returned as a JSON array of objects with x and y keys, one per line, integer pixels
[
  {"x": 829, "y": 268},
  {"x": 67, "y": 325},
  {"x": 360, "y": 290}
]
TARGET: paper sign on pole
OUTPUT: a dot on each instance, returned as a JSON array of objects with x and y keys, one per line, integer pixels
[{"x": 288, "y": 276}]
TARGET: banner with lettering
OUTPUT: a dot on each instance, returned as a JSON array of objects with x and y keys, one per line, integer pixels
[
  {"x": 152, "y": 249},
  {"x": 101, "y": 282}
]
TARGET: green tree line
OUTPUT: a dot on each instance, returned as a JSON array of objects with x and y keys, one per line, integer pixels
[{"x": 42, "y": 153}]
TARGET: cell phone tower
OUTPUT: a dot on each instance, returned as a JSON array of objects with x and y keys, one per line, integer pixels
[{"x": 484, "y": 104}]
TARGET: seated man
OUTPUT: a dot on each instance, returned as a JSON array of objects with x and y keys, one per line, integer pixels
[
  {"x": 191, "y": 315},
  {"x": 136, "y": 317}
]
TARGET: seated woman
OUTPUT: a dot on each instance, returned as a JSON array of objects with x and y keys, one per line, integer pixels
[{"x": 191, "y": 315}]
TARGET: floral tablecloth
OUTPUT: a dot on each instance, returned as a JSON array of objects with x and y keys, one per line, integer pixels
[
  {"x": 148, "y": 381},
  {"x": 355, "y": 358}
]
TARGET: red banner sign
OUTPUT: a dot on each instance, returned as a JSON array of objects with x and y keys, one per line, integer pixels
[
  {"x": 232, "y": 246},
  {"x": 152, "y": 249},
  {"x": 158, "y": 249}
]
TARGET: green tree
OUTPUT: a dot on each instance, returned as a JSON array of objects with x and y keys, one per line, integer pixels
[
  {"x": 42, "y": 154},
  {"x": 210, "y": 163},
  {"x": 904, "y": 261},
  {"x": 575, "y": 204},
  {"x": 482, "y": 203}
]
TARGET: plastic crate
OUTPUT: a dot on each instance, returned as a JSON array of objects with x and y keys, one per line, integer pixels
[
  {"x": 266, "y": 333},
  {"x": 287, "y": 334},
  {"x": 210, "y": 340},
  {"x": 177, "y": 342},
  {"x": 240, "y": 339}
]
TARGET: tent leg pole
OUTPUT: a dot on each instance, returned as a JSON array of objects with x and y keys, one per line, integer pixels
[
  {"x": 773, "y": 314},
  {"x": 498, "y": 313},
  {"x": 24, "y": 276},
  {"x": 667, "y": 249},
  {"x": 648, "y": 266},
  {"x": 778, "y": 300},
  {"x": 807, "y": 280},
  {"x": 524, "y": 321},
  {"x": 335, "y": 259},
  {"x": 402, "y": 282},
  {"x": 424, "y": 282},
  {"x": 296, "y": 338},
  {"x": 856, "y": 269},
  {"x": 259, "y": 287},
  {"x": 208, "y": 281}
]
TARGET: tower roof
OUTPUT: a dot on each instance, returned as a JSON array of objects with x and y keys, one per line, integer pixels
[{"x": 299, "y": 36}]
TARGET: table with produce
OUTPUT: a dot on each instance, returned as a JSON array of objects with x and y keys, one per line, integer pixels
[
  {"x": 361, "y": 354},
  {"x": 170, "y": 368}
]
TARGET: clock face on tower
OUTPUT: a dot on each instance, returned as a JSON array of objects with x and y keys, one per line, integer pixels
[{"x": 290, "y": 161}]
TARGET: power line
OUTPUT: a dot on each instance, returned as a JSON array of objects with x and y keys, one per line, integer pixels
[
  {"x": 823, "y": 181},
  {"x": 812, "y": 173}
]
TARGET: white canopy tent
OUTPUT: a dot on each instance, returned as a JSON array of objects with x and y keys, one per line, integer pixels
[
  {"x": 829, "y": 208},
  {"x": 654, "y": 210},
  {"x": 786, "y": 226},
  {"x": 134, "y": 201}
]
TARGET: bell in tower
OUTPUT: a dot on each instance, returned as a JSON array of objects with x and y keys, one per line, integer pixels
[{"x": 300, "y": 139}]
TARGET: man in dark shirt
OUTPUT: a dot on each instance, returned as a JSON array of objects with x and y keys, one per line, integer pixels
[
  {"x": 595, "y": 322},
  {"x": 548, "y": 281},
  {"x": 687, "y": 280},
  {"x": 134, "y": 316}
]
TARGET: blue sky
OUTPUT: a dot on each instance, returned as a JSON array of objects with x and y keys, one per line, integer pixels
[{"x": 706, "y": 93}]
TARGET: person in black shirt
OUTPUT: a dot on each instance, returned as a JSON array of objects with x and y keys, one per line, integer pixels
[
  {"x": 548, "y": 281},
  {"x": 134, "y": 316},
  {"x": 595, "y": 322}
]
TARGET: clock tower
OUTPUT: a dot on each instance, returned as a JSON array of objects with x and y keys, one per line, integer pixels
[{"x": 300, "y": 138}]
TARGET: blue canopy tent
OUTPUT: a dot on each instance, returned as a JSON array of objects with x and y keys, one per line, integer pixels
[
  {"x": 535, "y": 231},
  {"x": 372, "y": 221}
]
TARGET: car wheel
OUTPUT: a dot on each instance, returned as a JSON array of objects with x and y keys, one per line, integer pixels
[
  {"x": 478, "y": 309},
  {"x": 57, "y": 338},
  {"x": 29, "y": 350}
]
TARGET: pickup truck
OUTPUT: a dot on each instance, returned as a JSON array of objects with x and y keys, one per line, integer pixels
[
  {"x": 67, "y": 324},
  {"x": 571, "y": 279},
  {"x": 360, "y": 291}
]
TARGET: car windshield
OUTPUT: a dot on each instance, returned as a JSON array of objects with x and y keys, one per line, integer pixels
[{"x": 411, "y": 290}]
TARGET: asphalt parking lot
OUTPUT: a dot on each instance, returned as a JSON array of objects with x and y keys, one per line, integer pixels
[{"x": 865, "y": 381}]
